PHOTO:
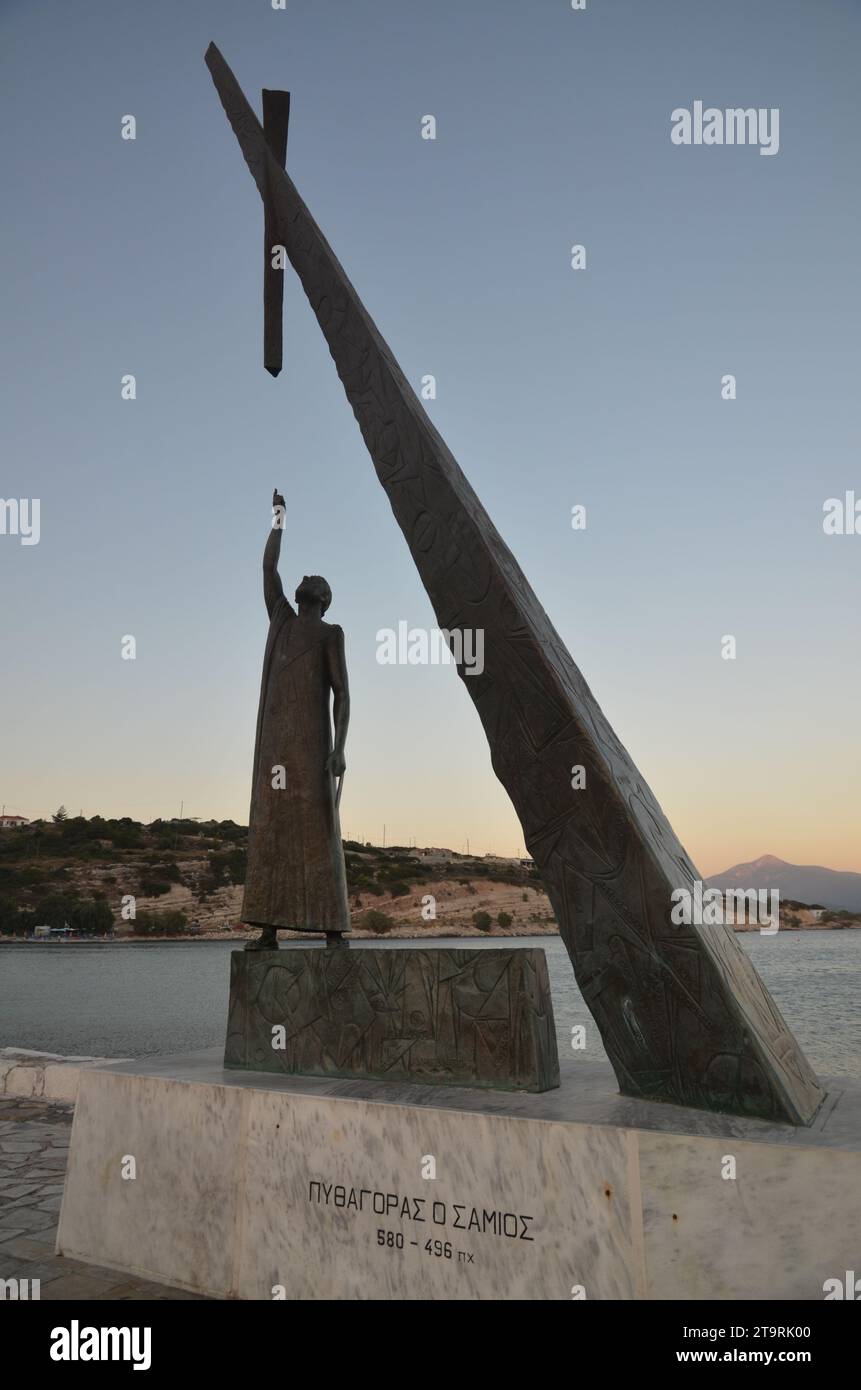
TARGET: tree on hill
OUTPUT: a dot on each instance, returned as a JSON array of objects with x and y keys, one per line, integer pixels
[{"x": 11, "y": 920}]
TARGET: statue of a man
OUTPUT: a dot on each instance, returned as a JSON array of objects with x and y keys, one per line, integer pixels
[{"x": 296, "y": 875}]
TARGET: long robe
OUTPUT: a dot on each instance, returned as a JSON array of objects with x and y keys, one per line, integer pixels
[{"x": 296, "y": 876}]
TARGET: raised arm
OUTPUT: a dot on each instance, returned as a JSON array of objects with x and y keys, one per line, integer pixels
[{"x": 272, "y": 589}]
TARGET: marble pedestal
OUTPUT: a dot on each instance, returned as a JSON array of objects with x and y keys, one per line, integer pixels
[{"x": 256, "y": 1187}]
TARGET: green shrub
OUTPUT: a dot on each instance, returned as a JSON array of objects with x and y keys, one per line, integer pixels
[
  {"x": 207, "y": 886},
  {"x": 153, "y": 887},
  {"x": 218, "y": 866},
  {"x": 377, "y": 922},
  {"x": 237, "y": 863},
  {"x": 31, "y": 875},
  {"x": 482, "y": 920},
  {"x": 160, "y": 924},
  {"x": 504, "y": 919},
  {"x": 167, "y": 871}
]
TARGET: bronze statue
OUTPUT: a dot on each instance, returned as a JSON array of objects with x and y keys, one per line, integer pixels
[
  {"x": 681, "y": 1010},
  {"x": 296, "y": 876}
]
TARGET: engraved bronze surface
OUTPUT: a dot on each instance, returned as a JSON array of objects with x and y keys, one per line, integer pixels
[{"x": 441, "y": 1017}]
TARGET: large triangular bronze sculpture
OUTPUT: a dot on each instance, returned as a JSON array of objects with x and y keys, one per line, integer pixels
[{"x": 683, "y": 1014}]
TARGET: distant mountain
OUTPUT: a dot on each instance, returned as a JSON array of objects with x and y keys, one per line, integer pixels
[{"x": 804, "y": 883}]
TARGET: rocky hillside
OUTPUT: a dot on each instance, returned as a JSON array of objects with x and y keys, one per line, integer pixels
[{"x": 184, "y": 878}]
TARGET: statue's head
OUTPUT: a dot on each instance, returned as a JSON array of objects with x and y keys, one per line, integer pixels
[{"x": 314, "y": 589}]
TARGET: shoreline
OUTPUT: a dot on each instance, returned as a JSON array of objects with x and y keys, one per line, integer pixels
[
  {"x": 402, "y": 934},
  {"x": 240, "y": 937}
]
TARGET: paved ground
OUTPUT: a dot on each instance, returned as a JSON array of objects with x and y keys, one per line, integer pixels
[{"x": 34, "y": 1142}]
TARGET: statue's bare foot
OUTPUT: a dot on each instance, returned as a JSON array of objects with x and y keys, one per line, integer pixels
[{"x": 267, "y": 941}]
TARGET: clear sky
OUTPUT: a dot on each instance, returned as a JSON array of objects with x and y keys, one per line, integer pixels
[{"x": 555, "y": 387}]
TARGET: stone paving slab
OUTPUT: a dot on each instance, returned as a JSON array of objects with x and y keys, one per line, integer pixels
[{"x": 34, "y": 1141}]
